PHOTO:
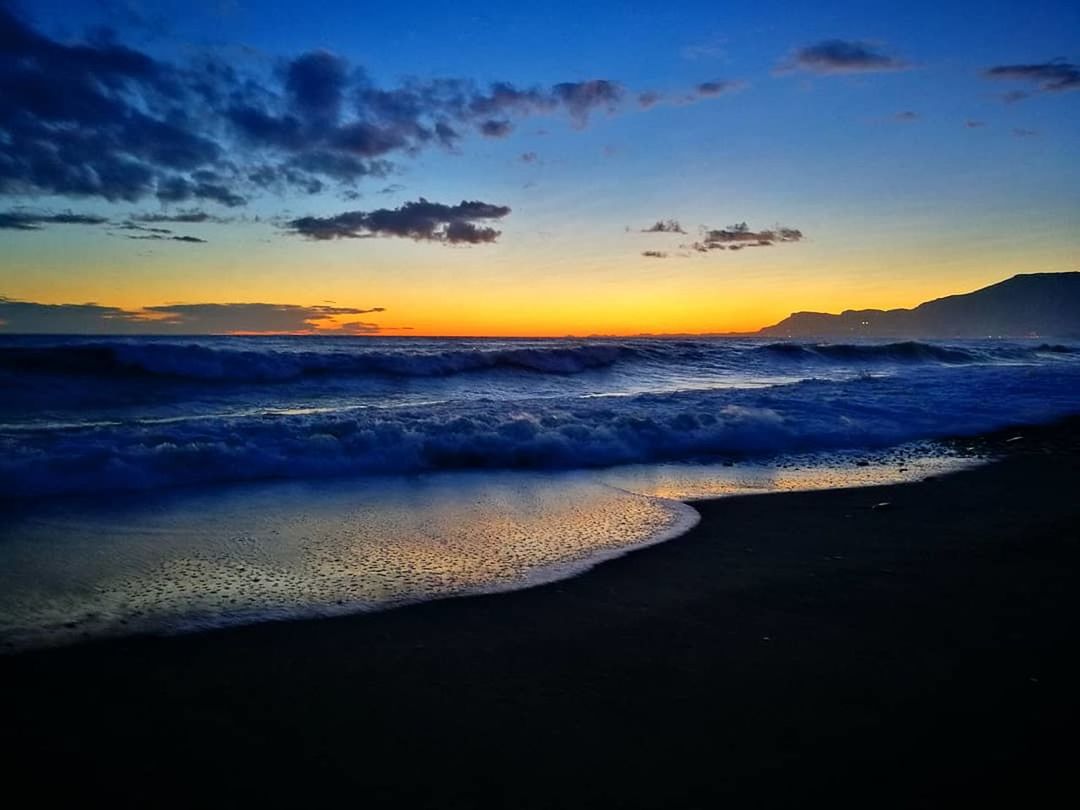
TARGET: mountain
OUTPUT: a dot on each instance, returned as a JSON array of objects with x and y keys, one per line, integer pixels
[{"x": 1031, "y": 305}]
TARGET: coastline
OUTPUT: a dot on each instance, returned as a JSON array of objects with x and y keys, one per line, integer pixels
[{"x": 791, "y": 646}]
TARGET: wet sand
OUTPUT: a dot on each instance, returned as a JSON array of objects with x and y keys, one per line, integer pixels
[{"x": 792, "y": 649}]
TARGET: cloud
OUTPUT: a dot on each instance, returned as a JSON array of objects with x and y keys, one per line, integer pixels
[
  {"x": 716, "y": 88},
  {"x": 1020, "y": 132},
  {"x": 664, "y": 226},
  {"x": 700, "y": 92},
  {"x": 316, "y": 84},
  {"x": 422, "y": 221},
  {"x": 493, "y": 128},
  {"x": 190, "y": 319},
  {"x": 30, "y": 317},
  {"x": 649, "y": 99},
  {"x": 225, "y": 318},
  {"x": 581, "y": 99},
  {"x": 906, "y": 115},
  {"x": 21, "y": 220},
  {"x": 191, "y": 216},
  {"x": 164, "y": 238},
  {"x": 530, "y": 157},
  {"x": 740, "y": 236},
  {"x": 972, "y": 124},
  {"x": 837, "y": 56},
  {"x": 1055, "y": 76},
  {"x": 95, "y": 118},
  {"x": 654, "y": 254}
]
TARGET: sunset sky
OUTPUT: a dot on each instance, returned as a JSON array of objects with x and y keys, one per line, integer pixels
[{"x": 558, "y": 168}]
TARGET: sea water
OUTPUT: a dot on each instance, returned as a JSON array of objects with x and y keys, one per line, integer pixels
[{"x": 162, "y": 484}]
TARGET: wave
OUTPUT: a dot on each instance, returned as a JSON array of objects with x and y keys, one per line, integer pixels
[
  {"x": 247, "y": 362},
  {"x": 210, "y": 364},
  {"x": 538, "y": 433},
  {"x": 906, "y": 352},
  {"x": 910, "y": 351}
]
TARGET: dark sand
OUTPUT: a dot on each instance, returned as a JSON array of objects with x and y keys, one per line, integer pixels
[{"x": 793, "y": 650}]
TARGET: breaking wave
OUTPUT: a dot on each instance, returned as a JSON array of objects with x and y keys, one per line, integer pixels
[
  {"x": 205, "y": 363},
  {"x": 564, "y": 432}
]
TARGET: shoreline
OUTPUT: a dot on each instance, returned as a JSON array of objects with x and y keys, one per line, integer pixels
[
  {"x": 558, "y": 510},
  {"x": 790, "y": 647}
]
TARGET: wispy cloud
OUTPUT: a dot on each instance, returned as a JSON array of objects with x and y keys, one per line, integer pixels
[
  {"x": 225, "y": 318},
  {"x": 740, "y": 236},
  {"x": 204, "y": 319},
  {"x": 838, "y": 56},
  {"x": 189, "y": 217},
  {"x": 699, "y": 92},
  {"x": 664, "y": 226},
  {"x": 1055, "y": 76},
  {"x": 24, "y": 220},
  {"x": 421, "y": 221}
]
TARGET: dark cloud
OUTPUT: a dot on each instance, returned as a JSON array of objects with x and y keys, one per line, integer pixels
[
  {"x": 907, "y": 115},
  {"x": 654, "y": 254},
  {"x": 716, "y": 88},
  {"x": 664, "y": 226},
  {"x": 581, "y": 99},
  {"x": 493, "y": 128},
  {"x": 20, "y": 220},
  {"x": 95, "y": 118},
  {"x": 222, "y": 318},
  {"x": 1048, "y": 77},
  {"x": 134, "y": 226},
  {"x": 503, "y": 98},
  {"x": 649, "y": 99},
  {"x": 188, "y": 217},
  {"x": 700, "y": 92},
  {"x": 834, "y": 56},
  {"x": 202, "y": 319},
  {"x": 740, "y": 236},
  {"x": 316, "y": 84},
  {"x": 420, "y": 220},
  {"x": 158, "y": 237},
  {"x": 31, "y": 317},
  {"x": 182, "y": 189}
]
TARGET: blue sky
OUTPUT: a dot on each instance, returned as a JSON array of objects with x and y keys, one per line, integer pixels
[{"x": 905, "y": 182}]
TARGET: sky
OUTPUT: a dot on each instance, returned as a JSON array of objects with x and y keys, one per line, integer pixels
[{"x": 553, "y": 169}]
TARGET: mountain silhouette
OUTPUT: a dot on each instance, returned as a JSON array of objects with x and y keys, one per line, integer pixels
[{"x": 1030, "y": 305}]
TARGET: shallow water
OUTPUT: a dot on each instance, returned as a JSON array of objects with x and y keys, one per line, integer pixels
[
  {"x": 78, "y": 568},
  {"x": 74, "y": 569}
]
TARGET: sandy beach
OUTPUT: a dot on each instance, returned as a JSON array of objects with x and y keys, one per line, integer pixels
[{"x": 907, "y": 646}]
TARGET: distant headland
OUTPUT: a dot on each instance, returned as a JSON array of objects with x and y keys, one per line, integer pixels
[{"x": 1030, "y": 305}]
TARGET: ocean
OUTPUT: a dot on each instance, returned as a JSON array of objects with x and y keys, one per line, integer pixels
[{"x": 169, "y": 484}]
